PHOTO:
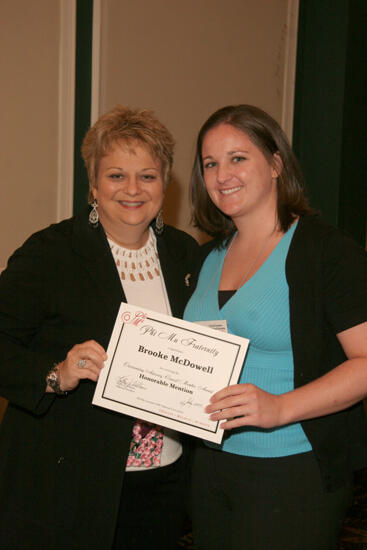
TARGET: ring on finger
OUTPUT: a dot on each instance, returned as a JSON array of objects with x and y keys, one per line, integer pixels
[{"x": 81, "y": 363}]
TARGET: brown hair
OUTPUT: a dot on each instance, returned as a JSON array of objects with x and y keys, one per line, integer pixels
[
  {"x": 122, "y": 124},
  {"x": 268, "y": 136}
]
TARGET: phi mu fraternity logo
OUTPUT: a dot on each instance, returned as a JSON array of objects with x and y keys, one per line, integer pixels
[{"x": 133, "y": 318}]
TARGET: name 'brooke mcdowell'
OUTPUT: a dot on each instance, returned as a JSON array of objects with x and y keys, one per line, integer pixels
[{"x": 175, "y": 359}]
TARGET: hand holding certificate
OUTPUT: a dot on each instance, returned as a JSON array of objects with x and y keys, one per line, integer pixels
[{"x": 164, "y": 370}]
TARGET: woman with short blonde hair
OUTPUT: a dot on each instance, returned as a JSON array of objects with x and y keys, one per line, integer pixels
[{"x": 73, "y": 475}]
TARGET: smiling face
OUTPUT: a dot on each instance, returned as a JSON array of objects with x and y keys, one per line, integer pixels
[
  {"x": 238, "y": 177},
  {"x": 129, "y": 191}
]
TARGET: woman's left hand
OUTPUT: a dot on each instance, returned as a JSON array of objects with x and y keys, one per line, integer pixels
[
  {"x": 342, "y": 387},
  {"x": 245, "y": 405}
]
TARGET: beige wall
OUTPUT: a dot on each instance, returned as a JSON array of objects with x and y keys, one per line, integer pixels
[
  {"x": 181, "y": 59},
  {"x": 186, "y": 59},
  {"x": 29, "y": 57}
]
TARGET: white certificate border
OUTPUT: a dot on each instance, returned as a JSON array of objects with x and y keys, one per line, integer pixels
[{"x": 172, "y": 420}]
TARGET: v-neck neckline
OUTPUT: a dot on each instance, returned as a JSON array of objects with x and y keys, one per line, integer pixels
[{"x": 289, "y": 233}]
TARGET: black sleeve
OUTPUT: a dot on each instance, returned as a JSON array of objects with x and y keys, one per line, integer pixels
[
  {"x": 22, "y": 310},
  {"x": 344, "y": 282}
]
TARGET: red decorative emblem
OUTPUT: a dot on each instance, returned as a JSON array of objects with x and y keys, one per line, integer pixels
[{"x": 133, "y": 318}]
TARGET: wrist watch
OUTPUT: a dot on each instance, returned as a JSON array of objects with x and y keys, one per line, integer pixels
[{"x": 53, "y": 380}]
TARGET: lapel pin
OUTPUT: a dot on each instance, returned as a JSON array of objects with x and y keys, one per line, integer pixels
[{"x": 187, "y": 281}]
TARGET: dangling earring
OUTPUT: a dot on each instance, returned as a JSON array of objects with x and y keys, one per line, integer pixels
[
  {"x": 159, "y": 223},
  {"x": 93, "y": 214}
]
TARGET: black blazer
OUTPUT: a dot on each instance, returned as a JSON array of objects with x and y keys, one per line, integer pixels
[{"x": 61, "y": 458}]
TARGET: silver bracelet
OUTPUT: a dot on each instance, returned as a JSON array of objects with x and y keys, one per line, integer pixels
[{"x": 53, "y": 380}]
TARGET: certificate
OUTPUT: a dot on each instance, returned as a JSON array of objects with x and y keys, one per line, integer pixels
[{"x": 164, "y": 370}]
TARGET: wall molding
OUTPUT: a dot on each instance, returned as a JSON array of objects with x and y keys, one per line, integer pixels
[
  {"x": 65, "y": 178},
  {"x": 290, "y": 61},
  {"x": 83, "y": 84},
  {"x": 96, "y": 61}
]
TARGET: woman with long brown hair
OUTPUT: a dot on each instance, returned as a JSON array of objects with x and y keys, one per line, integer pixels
[{"x": 275, "y": 273}]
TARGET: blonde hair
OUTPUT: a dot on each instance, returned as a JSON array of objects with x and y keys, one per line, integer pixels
[{"x": 122, "y": 124}]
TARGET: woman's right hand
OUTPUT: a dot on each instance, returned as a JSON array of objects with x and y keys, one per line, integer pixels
[{"x": 90, "y": 356}]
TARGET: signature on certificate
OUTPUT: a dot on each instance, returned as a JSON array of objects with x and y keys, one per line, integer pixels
[
  {"x": 190, "y": 403},
  {"x": 129, "y": 383}
]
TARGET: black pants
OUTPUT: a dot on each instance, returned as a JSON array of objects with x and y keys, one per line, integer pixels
[
  {"x": 244, "y": 503},
  {"x": 152, "y": 508}
]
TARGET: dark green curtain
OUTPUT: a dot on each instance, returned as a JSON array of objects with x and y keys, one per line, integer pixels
[
  {"x": 83, "y": 82},
  {"x": 330, "y": 117}
]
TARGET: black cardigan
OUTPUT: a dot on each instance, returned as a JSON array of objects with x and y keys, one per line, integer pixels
[
  {"x": 62, "y": 459},
  {"x": 327, "y": 277},
  {"x": 326, "y": 273}
]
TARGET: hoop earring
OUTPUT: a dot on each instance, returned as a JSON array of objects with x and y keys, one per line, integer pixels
[
  {"x": 93, "y": 215},
  {"x": 159, "y": 223}
]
